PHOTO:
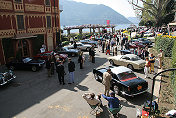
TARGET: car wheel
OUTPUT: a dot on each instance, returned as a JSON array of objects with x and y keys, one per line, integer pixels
[
  {"x": 111, "y": 62},
  {"x": 96, "y": 77},
  {"x": 34, "y": 68},
  {"x": 12, "y": 68},
  {"x": 116, "y": 89},
  {"x": 130, "y": 66}
]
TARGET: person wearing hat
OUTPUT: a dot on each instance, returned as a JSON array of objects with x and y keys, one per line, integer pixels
[
  {"x": 107, "y": 81},
  {"x": 113, "y": 102},
  {"x": 160, "y": 57}
]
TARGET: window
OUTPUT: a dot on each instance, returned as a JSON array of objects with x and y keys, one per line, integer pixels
[
  {"x": 48, "y": 21},
  {"x": 47, "y": 2},
  {"x": 20, "y": 22},
  {"x": 18, "y": 1}
]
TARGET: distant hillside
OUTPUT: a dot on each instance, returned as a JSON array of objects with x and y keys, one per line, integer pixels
[
  {"x": 134, "y": 20},
  {"x": 76, "y": 13}
]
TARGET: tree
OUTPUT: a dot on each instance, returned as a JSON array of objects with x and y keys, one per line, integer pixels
[{"x": 152, "y": 10}]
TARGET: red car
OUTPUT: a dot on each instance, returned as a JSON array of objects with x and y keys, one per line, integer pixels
[
  {"x": 136, "y": 45},
  {"x": 44, "y": 55}
]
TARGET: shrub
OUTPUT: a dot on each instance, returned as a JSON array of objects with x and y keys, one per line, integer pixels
[
  {"x": 65, "y": 43},
  {"x": 165, "y": 44}
]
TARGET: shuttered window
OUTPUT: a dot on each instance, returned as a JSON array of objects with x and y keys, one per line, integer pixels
[
  {"x": 20, "y": 22},
  {"x": 48, "y": 21},
  {"x": 47, "y": 2}
]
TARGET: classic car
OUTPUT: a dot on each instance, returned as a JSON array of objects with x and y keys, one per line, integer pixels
[
  {"x": 145, "y": 41},
  {"x": 123, "y": 52},
  {"x": 136, "y": 44},
  {"x": 91, "y": 42},
  {"x": 26, "y": 63},
  {"x": 44, "y": 55},
  {"x": 129, "y": 60},
  {"x": 80, "y": 46},
  {"x": 6, "y": 75},
  {"x": 69, "y": 52},
  {"x": 124, "y": 81}
]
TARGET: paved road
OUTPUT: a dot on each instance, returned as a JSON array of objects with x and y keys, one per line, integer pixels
[{"x": 34, "y": 95}]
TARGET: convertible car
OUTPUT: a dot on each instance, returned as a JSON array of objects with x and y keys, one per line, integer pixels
[
  {"x": 44, "y": 55},
  {"x": 26, "y": 63},
  {"x": 124, "y": 81},
  {"x": 6, "y": 75},
  {"x": 131, "y": 61}
]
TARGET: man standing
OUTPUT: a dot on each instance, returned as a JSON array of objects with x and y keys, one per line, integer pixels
[
  {"x": 106, "y": 81},
  {"x": 61, "y": 72},
  {"x": 146, "y": 69},
  {"x": 71, "y": 69},
  {"x": 152, "y": 62}
]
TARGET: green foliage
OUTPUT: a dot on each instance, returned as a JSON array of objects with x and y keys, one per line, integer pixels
[
  {"x": 65, "y": 43},
  {"x": 174, "y": 55},
  {"x": 165, "y": 44}
]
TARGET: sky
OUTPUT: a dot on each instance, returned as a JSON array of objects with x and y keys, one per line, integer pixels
[{"x": 121, "y": 6}]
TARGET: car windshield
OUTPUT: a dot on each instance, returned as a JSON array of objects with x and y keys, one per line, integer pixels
[
  {"x": 136, "y": 58},
  {"x": 26, "y": 60},
  {"x": 125, "y": 76}
]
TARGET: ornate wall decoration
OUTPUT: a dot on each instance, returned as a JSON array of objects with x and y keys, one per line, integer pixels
[
  {"x": 36, "y": 30},
  {"x": 34, "y": 7},
  {"x": 21, "y": 31},
  {"x": 6, "y": 5},
  {"x": 7, "y": 33}
]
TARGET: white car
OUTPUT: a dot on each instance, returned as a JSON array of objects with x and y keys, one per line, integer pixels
[
  {"x": 80, "y": 46},
  {"x": 129, "y": 60}
]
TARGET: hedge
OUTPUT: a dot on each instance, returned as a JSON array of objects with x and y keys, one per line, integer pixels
[{"x": 166, "y": 44}]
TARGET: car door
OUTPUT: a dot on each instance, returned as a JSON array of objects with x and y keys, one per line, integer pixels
[{"x": 125, "y": 60}]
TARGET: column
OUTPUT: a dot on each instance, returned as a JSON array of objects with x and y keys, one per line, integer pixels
[
  {"x": 90, "y": 30},
  {"x": 99, "y": 30},
  {"x": 68, "y": 34},
  {"x": 2, "y": 58},
  {"x": 80, "y": 33}
]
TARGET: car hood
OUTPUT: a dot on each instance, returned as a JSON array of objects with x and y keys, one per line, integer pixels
[{"x": 134, "y": 82}]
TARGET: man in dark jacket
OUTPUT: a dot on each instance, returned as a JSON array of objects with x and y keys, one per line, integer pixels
[
  {"x": 71, "y": 69},
  {"x": 61, "y": 72}
]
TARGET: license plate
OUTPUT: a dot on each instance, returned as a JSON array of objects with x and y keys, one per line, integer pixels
[{"x": 139, "y": 88}]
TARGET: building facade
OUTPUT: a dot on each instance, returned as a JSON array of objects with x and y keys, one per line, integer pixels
[{"x": 26, "y": 25}]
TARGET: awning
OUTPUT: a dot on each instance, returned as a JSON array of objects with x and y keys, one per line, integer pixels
[{"x": 24, "y": 36}]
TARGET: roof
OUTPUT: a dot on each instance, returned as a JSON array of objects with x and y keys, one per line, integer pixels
[{"x": 120, "y": 69}]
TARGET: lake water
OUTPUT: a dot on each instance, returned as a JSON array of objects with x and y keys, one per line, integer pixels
[{"x": 118, "y": 26}]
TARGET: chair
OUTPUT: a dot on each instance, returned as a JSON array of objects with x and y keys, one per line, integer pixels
[
  {"x": 96, "y": 109},
  {"x": 115, "y": 111}
]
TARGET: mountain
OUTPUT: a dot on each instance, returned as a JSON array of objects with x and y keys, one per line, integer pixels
[
  {"x": 77, "y": 13},
  {"x": 134, "y": 20}
]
